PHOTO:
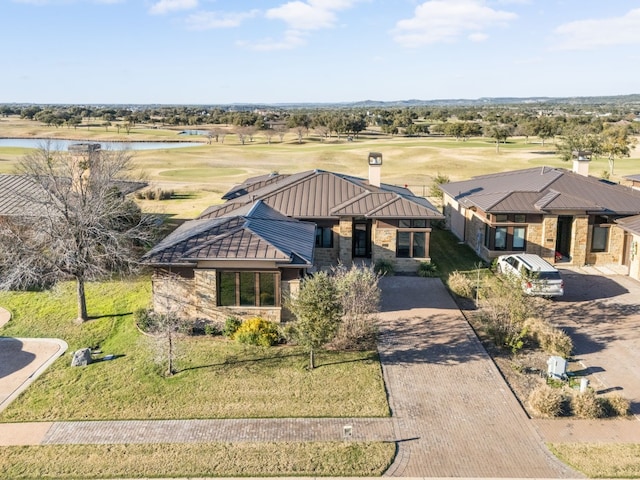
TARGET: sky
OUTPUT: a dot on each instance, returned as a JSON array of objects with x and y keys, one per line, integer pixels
[{"x": 209, "y": 52}]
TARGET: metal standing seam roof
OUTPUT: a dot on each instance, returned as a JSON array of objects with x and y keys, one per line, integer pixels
[
  {"x": 254, "y": 232},
  {"x": 321, "y": 194},
  {"x": 20, "y": 195},
  {"x": 630, "y": 224},
  {"x": 538, "y": 190},
  {"x": 17, "y": 193}
]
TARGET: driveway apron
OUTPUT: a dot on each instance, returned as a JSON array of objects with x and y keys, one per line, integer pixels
[{"x": 454, "y": 415}]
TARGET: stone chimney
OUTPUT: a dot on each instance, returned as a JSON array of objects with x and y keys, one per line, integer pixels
[
  {"x": 375, "y": 168},
  {"x": 581, "y": 159},
  {"x": 82, "y": 157}
]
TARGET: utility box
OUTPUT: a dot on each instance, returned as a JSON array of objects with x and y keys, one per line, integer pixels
[{"x": 557, "y": 367}]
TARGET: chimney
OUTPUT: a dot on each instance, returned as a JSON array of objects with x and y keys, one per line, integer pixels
[
  {"x": 375, "y": 167},
  {"x": 581, "y": 159},
  {"x": 83, "y": 159}
]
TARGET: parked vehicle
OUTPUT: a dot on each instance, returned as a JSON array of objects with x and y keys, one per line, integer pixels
[{"x": 538, "y": 276}]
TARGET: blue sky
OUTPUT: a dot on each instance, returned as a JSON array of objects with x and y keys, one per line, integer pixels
[{"x": 279, "y": 51}]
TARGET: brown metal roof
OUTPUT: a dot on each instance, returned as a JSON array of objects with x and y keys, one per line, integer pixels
[
  {"x": 630, "y": 224},
  {"x": 255, "y": 232},
  {"x": 544, "y": 190}
]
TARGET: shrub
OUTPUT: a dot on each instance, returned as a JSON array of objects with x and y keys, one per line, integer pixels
[
  {"x": 551, "y": 339},
  {"x": 145, "y": 319},
  {"x": 384, "y": 267},
  {"x": 257, "y": 331},
  {"x": 460, "y": 284},
  {"x": 427, "y": 269},
  {"x": 547, "y": 401},
  {"x": 231, "y": 325},
  {"x": 588, "y": 405},
  {"x": 212, "y": 329},
  {"x": 616, "y": 406}
]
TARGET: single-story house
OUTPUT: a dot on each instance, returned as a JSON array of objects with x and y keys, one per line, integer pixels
[
  {"x": 633, "y": 180},
  {"x": 561, "y": 215},
  {"x": 310, "y": 220}
]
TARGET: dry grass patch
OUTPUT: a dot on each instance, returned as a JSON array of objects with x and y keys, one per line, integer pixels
[
  {"x": 344, "y": 459},
  {"x": 614, "y": 460}
]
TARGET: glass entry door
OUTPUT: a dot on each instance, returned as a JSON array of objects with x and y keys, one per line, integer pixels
[{"x": 362, "y": 239}]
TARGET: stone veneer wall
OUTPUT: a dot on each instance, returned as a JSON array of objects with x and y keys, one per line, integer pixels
[
  {"x": 197, "y": 298},
  {"x": 345, "y": 229},
  {"x": 384, "y": 248},
  {"x": 327, "y": 257},
  {"x": 614, "y": 251},
  {"x": 580, "y": 240}
]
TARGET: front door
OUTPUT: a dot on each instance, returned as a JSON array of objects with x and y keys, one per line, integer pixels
[
  {"x": 362, "y": 239},
  {"x": 563, "y": 238}
]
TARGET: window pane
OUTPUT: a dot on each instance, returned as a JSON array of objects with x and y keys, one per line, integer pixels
[
  {"x": 268, "y": 289},
  {"x": 404, "y": 223},
  {"x": 327, "y": 237},
  {"x": 520, "y": 218},
  {"x": 599, "y": 240},
  {"x": 227, "y": 289},
  {"x": 418, "y": 244},
  {"x": 247, "y": 288},
  {"x": 501, "y": 238},
  {"x": 518, "y": 238},
  {"x": 421, "y": 223},
  {"x": 403, "y": 244},
  {"x": 501, "y": 218}
]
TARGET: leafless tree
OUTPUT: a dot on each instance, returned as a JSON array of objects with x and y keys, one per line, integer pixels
[
  {"x": 268, "y": 134},
  {"x": 281, "y": 131},
  {"x": 76, "y": 222}
]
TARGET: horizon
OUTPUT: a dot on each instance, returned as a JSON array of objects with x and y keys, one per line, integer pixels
[{"x": 208, "y": 52}]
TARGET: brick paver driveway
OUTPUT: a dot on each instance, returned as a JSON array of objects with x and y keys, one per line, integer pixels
[
  {"x": 453, "y": 413},
  {"x": 601, "y": 313}
]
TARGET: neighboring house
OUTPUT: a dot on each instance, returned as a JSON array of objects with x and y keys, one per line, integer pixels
[
  {"x": 631, "y": 226},
  {"x": 633, "y": 180},
  {"x": 323, "y": 219},
  {"x": 561, "y": 215}
]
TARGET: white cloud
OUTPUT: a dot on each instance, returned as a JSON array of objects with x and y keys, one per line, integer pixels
[
  {"x": 310, "y": 15},
  {"x": 167, "y": 6},
  {"x": 601, "y": 32},
  {"x": 212, "y": 20},
  {"x": 478, "y": 37},
  {"x": 438, "y": 21}
]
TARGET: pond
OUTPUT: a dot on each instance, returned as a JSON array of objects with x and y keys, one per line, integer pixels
[{"x": 64, "y": 144}]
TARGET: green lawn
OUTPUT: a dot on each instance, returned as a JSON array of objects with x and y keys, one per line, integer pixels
[{"x": 217, "y": 378}]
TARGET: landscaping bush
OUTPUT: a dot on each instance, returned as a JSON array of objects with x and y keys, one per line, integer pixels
[
  {"x": 461, "y": 285},
  {"x": 231, "y": 325},
  {"x": 427, "y": 269},
  {"x": 212, "y": 329},
  {"x": 588, "y": 405},
  {"x": 144, "y": 319},
  {"x": 257, "y": 331},
  {"x": 384, "y": 267},
  {"x": 616, "y": 406},
  {"x": 547, "y": 401},
  {"x": 550, "y": 339}
]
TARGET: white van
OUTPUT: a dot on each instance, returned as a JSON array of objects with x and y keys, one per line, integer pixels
[{"x": 538, "y": 276}]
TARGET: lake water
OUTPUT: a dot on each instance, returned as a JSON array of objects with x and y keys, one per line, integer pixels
[{"x": 64, "y": 144}]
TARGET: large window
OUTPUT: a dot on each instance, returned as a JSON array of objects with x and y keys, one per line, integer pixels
[
  {"x": 324, "y": 237},
  {"x": 599, "y": 238},
  {"x": 518, "y": 238},
  {"x": 411, "y": 244},
  {"x": 500, "y": 241},
  {"x": 250, "y": 289}
]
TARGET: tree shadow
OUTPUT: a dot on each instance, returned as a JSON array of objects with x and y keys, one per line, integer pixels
[
  {"x": 12, "y": 357},
  {"x": 234, "y": 361},
  {"x": 108, "y": 315}
]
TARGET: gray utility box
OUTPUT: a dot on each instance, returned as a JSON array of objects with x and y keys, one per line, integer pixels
[{"x": 557, "y": 367}]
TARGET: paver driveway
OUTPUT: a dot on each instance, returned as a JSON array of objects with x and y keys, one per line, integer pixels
[{"x": 453, "y": 412}]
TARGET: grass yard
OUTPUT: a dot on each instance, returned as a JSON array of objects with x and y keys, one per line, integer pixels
[
  {"x": 343, "y": 459},
  {"x": 614, "y": 460},
  {"x": 217, "y": 378}
]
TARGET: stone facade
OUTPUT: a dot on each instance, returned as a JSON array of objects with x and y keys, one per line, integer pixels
[{"x": 345, "y": 238}]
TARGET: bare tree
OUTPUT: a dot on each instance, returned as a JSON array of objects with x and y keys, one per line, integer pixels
[
  {"x": 76, "y": 222},
  {"x": 268, "y": 134},
  {"x": 281, "y": 131}
]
